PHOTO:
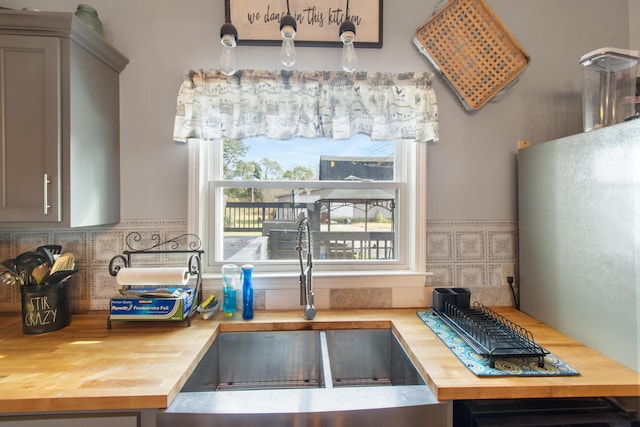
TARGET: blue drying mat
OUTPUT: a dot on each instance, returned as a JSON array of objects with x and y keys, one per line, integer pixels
[{"x": 504, "y": 367}]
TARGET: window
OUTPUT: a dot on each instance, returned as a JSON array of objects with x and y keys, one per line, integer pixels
[
  {"x": 366, "y": 200},
  {"x": 244, "y": 188}
]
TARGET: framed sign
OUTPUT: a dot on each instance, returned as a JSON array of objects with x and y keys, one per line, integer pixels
[{"x": 318, "y": 21}]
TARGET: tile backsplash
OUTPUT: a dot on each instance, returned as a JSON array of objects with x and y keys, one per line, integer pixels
[
  {"x": 466, "y": 254},
  {"x": 470, "y": 254},
  {"x": 93, "y": 248}
]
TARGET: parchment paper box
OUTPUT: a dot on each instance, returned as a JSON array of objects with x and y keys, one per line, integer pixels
[{"x": 139, "y": 308}]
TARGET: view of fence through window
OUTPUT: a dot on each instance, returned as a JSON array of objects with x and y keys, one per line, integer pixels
[{"x": 345, "y": 187}]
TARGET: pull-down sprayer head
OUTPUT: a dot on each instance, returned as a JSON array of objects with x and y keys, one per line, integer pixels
[{"x": 304, "y": 244}]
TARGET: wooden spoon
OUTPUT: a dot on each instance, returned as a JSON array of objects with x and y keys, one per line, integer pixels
[{"x": 39, "y": 273}]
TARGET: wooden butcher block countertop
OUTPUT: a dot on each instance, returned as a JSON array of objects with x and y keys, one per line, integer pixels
[{"x": 138, "y": 365}]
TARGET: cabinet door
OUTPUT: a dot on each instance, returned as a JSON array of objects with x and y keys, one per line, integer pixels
[
  {"x": 30, "y": 145},
  {"x": 82, "y": 420}
]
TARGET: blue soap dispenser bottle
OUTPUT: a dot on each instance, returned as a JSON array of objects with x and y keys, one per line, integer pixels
[{"x": 247, "y": 292}]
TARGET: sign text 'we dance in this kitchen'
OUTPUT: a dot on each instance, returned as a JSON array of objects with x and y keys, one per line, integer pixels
[{"x": 318, "y": 21}]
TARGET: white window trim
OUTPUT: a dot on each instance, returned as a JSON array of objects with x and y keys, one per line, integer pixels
[{"x": 411, "y": 274}]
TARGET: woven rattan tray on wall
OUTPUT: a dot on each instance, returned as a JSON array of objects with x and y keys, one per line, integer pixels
[{"x": 472, "y": 49}]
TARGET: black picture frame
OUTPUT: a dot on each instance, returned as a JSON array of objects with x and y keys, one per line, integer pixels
[{"x": 257, "y": 21}]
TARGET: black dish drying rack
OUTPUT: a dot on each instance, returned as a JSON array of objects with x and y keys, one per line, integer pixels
[{"x": 490, "y": 334}]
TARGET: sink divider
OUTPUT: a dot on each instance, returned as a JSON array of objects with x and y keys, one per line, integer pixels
[{"x": 326, "y": 364}]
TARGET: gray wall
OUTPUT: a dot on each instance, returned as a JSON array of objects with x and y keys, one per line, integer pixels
[{"x": 472, "y": 168}]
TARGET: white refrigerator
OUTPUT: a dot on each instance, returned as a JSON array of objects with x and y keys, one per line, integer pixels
[{"x": 579, "y": 237}]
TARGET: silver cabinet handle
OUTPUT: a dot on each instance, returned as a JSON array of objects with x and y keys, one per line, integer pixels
[{"x": 47, "y": 206}]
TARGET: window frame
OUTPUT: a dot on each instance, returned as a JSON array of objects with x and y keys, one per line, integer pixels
[{"x": 408, "y": 270}]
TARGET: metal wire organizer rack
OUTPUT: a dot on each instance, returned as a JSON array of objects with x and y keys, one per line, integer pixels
[
  {"x": 490, "y": 334},
  {"x": 184, "y": 245}
]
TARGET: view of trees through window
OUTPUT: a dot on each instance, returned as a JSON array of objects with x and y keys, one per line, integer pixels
[
  {"x": 238, "y": 166},
  {"x": 267, "y": 184}
]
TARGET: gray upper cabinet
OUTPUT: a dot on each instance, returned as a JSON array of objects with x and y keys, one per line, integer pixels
[{"x": 59, "y": 123}]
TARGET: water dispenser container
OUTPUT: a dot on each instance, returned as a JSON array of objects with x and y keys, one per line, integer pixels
[{"x": 608, "y": 86}]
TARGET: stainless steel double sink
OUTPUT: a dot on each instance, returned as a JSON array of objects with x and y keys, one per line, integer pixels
[{"x": 307, "y": 377}]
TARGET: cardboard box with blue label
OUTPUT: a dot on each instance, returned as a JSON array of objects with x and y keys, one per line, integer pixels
[{"x": 152, "y": 306}]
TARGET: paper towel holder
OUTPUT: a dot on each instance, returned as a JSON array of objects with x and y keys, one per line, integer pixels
[{"x": 188, "y": 244}]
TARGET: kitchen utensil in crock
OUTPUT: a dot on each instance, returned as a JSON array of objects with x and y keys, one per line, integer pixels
[
  {"x": 48, "y": 253},
  {"x": 54, "y": 249},
  {"x": 25, "y": 263},
  {"x": 59, "y": 276},
  {"x": 24, "y": 277},
  {"x": 66, "y": 261},
  {"x": 40, "y": 272},
  {"x": 9, "y": 263},
  {"x": 29, "y": 258},
  {"x": 9, "y": 277}
]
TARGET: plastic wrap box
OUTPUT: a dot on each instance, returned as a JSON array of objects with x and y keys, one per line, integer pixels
[{"x": 140, "y": 308}]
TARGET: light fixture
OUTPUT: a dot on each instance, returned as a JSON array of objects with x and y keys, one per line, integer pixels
[
  {"x": 228, "y": 39},
  {"x": 347, "y": 35},
  {"x": 288, "y": 29}
]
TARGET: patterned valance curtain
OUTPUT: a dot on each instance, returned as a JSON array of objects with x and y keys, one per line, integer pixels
[{"x": 290, "y": 104}]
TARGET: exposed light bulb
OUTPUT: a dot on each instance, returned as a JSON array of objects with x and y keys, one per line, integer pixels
[
  {"x": 228, "y": 39},
  {"x": 228, "y": 62},
  {"x": 288, "y": 32},
  {"x": 349, "y": 57},
  {"x": 288, "y": 52}
]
